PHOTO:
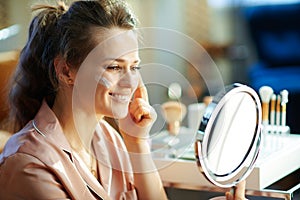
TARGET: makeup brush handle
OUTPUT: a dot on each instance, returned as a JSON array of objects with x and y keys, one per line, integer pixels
[
  {"x": 272, "y": 118},
  {"x": 278, "y": 110},
  {"x": 283, "y": 114},
  {"x": 265, "y": 112}
]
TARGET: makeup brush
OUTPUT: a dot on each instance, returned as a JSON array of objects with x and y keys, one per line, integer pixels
[
  {"x": 278, "y": 110},
  {"x": 284, "y": 100},
  {"x": 272, "y": 110},
  {"x": 265, "y": 93}
]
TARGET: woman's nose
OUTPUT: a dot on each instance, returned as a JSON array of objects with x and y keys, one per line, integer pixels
[{"x": 128, "y": 79}]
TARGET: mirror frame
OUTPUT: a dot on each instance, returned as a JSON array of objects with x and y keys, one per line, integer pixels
[{"x": 203, "y": 134}]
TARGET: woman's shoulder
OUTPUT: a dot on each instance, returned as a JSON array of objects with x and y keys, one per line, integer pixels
[
  {"x": 28, "y": 177},
  {"x": 17, "y": 168},
  {"x": 15, "y": 142},
  {"x": 19, "y": 161},
  {"x": 25, "y": 142}
]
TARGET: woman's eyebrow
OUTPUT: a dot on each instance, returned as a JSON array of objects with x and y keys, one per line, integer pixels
[{"x": 122, "y": 60}]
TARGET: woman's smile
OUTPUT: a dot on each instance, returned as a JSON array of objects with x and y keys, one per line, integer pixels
[{"x": 120, "y": 97}]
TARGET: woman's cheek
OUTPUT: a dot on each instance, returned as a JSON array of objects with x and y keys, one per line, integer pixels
[
  {"x": 136, "y": 81},
  {"x": 105, "y": 81}
]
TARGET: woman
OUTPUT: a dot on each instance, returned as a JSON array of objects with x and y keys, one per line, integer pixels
[{"x": 79, "y": 65}]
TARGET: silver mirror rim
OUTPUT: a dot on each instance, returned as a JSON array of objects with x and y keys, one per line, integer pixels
[{"x": 204, "y": 131}]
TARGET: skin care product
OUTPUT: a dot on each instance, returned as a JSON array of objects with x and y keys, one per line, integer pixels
[{"x": 103, "y": 81}]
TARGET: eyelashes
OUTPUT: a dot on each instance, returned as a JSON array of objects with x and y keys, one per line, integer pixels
[
  {"x": 136, "y": 68},
  {"x": 114, "y": 68},
  {"x": 118, "y": 68}
]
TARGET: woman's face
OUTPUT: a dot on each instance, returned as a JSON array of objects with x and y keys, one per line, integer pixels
[{"x": 117, "y": 73}]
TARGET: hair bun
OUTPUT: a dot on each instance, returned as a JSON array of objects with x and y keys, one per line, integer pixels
[{"x": 61, "y": 7}]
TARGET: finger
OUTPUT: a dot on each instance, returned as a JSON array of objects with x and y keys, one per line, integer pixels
[
  {"x": 240, "y": 190},
  {"x": 141, "y": 114},
  {"x": 139, "y": 109},
  {"x": 141, "y": 91},
  {"x": 136, "y": 103},
  {"x": 228, "y": 196}
]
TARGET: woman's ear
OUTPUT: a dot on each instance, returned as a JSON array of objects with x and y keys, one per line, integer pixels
[{"x": 63, "y": 72}]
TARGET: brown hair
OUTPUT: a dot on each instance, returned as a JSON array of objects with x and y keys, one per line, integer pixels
[{"x": 58, "y": 30}]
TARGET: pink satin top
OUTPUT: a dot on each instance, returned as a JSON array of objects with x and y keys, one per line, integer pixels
[{"x": 38, "y": 163}]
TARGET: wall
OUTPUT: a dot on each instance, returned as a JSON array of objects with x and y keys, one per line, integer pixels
[
  {"x": 19, "y": 13},
  {"x": 195, "y": 20}
]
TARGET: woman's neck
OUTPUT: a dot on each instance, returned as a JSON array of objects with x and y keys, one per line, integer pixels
[{"x": 78, "y": 126}]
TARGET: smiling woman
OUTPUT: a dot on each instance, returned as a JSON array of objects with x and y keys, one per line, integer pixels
[{"x": 79, "y": 65}]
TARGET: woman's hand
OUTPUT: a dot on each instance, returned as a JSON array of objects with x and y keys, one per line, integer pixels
[
  {"x": 239, "y": 193},
  {"x": 135, "y": 129},
  {"x": 136, "y": 125}
]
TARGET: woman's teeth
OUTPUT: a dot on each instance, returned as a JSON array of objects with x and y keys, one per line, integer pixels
[{"x": 120, "y": 97}]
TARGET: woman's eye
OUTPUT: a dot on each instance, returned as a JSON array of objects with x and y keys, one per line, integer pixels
[
  {"x": 114, "y": 68},
  {"x": 135, "y": 68}
]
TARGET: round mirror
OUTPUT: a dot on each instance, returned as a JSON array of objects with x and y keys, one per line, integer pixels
[{"x": 228, "y": 139}]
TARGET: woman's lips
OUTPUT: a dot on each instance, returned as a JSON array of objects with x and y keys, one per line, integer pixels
[{"x": 123, "y": 98}]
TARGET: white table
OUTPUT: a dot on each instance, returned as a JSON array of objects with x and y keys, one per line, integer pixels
[{"x": 279, "y": 157}]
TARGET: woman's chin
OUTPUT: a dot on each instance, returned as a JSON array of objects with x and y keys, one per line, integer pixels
[{"x": 120, "y": 114}]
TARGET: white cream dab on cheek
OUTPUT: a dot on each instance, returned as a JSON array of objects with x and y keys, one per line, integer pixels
[{"x": 103, "y": 81}]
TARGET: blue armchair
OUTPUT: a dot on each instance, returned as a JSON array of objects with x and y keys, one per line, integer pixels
[{"x": 275, "y": 32}]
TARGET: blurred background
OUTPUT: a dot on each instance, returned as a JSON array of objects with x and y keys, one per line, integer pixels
[{"x": 255, "y": 42}]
